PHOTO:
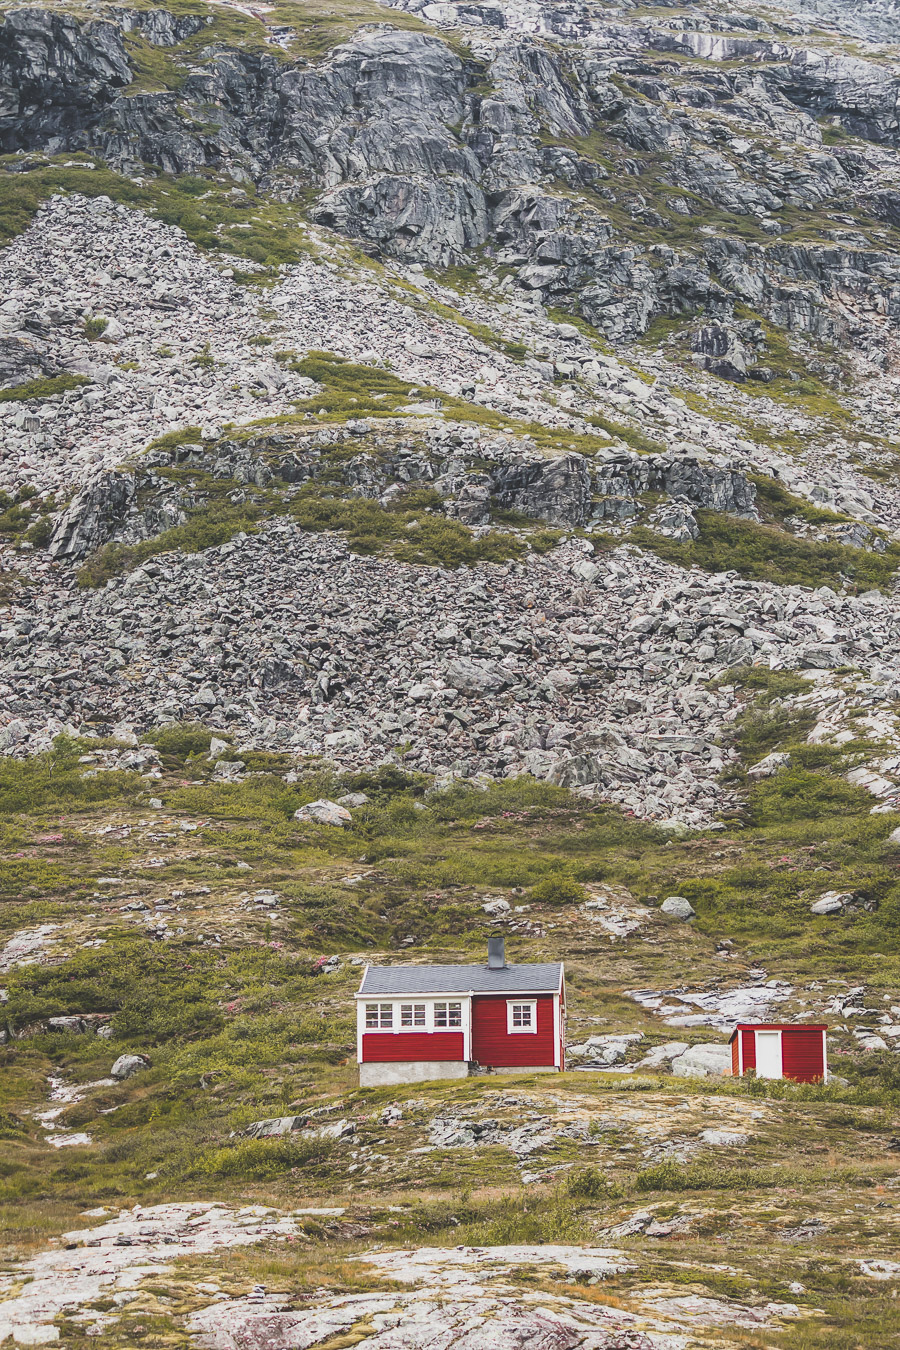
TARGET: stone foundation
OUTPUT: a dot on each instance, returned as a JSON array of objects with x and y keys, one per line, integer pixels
[{"x": 411, "y": 1071}]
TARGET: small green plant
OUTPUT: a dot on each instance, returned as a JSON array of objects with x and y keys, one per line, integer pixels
[
  {"x": 172, "y": 439},
  {"x": 204, "y": 358},
  {"x": 95, "y": 328}
]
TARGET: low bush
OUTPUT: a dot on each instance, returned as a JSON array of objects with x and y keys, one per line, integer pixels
[
  {"x": 670, "y": 1175},
  {"x": 516, "y": 1219},
  {"x": 557, "y": 890},
  {"x": 411, "y": 529},
  {"x": 182, "y": 739},
  {"x": 207, "y": 528},
  {"x": 264, "y": 1159},
  {"x": 55, "y": 776},
  {"x": 589, "y": 1183}
]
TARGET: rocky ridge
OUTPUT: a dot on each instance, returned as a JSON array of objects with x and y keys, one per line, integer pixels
[{"x": 514, "y": 136}]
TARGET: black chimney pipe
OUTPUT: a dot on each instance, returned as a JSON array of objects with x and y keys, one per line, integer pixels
[{"x": 496, "y": 953}]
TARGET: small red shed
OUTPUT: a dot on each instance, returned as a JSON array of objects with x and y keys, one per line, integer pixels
[
  {"x": 420, "y": 1022},
  {"x": 780, "y": 1050}
]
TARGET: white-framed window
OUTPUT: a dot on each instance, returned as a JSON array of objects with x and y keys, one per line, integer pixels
[
  {"x": 379, "y": 1015},
  {"x": 412, "y": 1015},
  {"x": 448, "y": 1015},
  {"x": 521, "y": 1016}
]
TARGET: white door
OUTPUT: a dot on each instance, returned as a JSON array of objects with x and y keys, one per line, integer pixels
[{"x": 768, "y": 1054}]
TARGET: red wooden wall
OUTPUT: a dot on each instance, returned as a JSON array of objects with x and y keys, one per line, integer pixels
[
  {"x": 494, "y": 1047},
  {"x": 802, "y": 1054},
  {"x": 379, "y": 1047},
  {"x": 735, "y": 1059}
]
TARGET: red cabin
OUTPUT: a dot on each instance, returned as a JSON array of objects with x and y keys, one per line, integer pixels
[
  {"x": 421, "y": 1022},
  {"x": 780, "y": 1050}
]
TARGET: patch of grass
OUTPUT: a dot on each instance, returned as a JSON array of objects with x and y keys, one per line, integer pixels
[
  {"x": 208, "y": 527},
  {"x": 765, "y": 683},
  {"x": 201, "y": 206},
  {"x": 26, "y": 516},
  {"x": 632, "y": 437},
  {"x": 54, "y": 777},
  {"x": 558, "y": 890},
  {"x": 798, "y": 794},
  {"x": 763, "y": 553},
  {"x": 410, "y": 529},
  {"x": 264, "y": 1159},
  {"x": 172, "y": 439},
  {"x": 775, "y": 504},
  {"x": 42, "y": 388},
  {"x": 182, "y": 740}
]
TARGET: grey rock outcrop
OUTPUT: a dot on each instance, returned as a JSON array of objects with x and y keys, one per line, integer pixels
[{"x": 427, "y": 156}]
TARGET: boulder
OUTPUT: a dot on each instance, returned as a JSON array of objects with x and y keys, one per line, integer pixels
[
  {"x": 324, "y": 812},
  {"x": 678, "y": 907},
  {"x": 126, "y": 1066},
  {"x": 475, "y": 677},
  {"x": 832, "y": 902},
  {"x": 67, "y": 1024}
]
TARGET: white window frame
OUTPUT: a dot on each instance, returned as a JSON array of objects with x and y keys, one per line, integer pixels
[
  {"x": 452, "y": 1007},
  {"x": 381, "y": 1010},
  {"x": 511, "y": 1005},
  {"x": 415, "y": 1009}
]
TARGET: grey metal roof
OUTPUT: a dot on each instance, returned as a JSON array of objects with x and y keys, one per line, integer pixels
[{"x": 536, "y": 979}]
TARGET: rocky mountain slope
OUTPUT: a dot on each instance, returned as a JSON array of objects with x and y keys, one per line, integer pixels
[{"x": 482, "y": 419}]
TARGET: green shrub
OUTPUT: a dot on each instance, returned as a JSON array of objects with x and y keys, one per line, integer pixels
[
  {"x": 181, "y": 739},
  {"x": 675, "y": 1176},
  {"x": 172, "y": 439},
  {"x": 207, "y": 528},
  {"x": 516, "y": 1219},
  {"x": 95, "y": 328},
  {"x": 558, "y": 890},
  {"x": 766, "y": 684},
  {"x": 155, "y": 992},
  {"x": 55, "y": 776},
  {"x": 264, "y": 1159},
  {"x": 761, "y": 730},
  {"x": 204, "y": 358},
  {"x": 797, "y": 794},
  {"x": 589, "y": 1183}
]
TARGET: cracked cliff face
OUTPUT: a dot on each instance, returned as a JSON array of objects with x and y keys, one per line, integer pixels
[{"x": 647, "y": 169}]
